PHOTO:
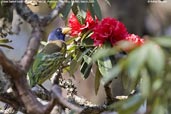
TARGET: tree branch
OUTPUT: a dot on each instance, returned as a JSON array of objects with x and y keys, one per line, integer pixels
[
  {"x": 9, "y": 67},
  {"x": 36, "y": 36},
  {"x": 8, "y": 98},
  {"x": 41, "y": 93},
  {"x": 47, "y": 19},
  {"x": 63, "y": 102},
  {"x": 19, "y": 79},
  {"x": 32, "y": 48}
]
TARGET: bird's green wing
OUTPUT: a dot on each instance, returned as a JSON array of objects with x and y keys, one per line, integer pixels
[
  {"x": 44, "y": 66},
  {"x": 33, "y": 69},
  {"x": 37, "y": 60}
]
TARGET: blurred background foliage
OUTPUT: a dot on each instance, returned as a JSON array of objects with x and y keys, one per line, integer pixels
[{"x": 145, "y": 69}]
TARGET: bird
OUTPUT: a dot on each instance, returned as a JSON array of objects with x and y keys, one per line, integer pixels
[{"x": 50, "y": 58}]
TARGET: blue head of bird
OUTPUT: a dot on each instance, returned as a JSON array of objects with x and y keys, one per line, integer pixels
[{"x": 58, "y": 34}]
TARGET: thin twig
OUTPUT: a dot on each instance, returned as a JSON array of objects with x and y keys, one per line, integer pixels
[{"x": 108, "y": 93}]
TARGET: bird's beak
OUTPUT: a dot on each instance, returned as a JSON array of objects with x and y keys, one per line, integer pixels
[{"x": 66, "y": 30}]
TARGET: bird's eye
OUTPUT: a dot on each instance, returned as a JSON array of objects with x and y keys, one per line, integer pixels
[{"x": 59, "y": 30}]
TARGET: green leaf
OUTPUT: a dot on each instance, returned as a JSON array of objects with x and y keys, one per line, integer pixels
[
  {"x": 73, "y": 67},
  {"x": 158, "y": 107},
  {"x": 52, "y": 3},
  {"x": 80, "y": 16},
  {"x": 163, "y": 41},
  {"x": 103, "y": 52},
  {"x": 6, "y": 13},
  {"x": 86, "y": 66},
  {"x": 107, "y": 1},
  {"x": 131, "y": 105},
  {"x": 156, "y": 59},
  {"x": 72, "y": 112},
  {"x": 71, "y": 48},
  {"x": 65, "y": 12},
  {"x": 136, "y": 60},
  {"x": 75, "y": 8},
  {"x": 125, "y": 81},
  {"x": 157, "y": 84},
  {"x": 98, "y": 77},
  {"x": 68, "y": 58},
  {"x": 5, "y": 40},
  {"x": 85, "y": 69},
  {"x": 128, "y": 106},
  {"x": 145, "y": 84},
  {"x": 112, "y": 73},
  {"x": 83, "y": 6},
  {"x": 85, "y": 36},
  {"x": 95, "y": 9},
  {"x": 83, "y": 54},
  {"x": 87, "y": 43},
  {"x": 104, "y": 64},
  {"x": 75, "y": 63},
  {"x": 70, "y": 41},
  {"x": 6, "y": 46}
]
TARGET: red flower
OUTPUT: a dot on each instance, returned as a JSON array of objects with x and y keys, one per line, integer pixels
[
  {"x": 77, "y": 28},
  {"x": 109, "y": 29},
  {"x": 75, "y": 25},
  {"x": 90, "y": 23},
  {"x": 135, "y": 39}
]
